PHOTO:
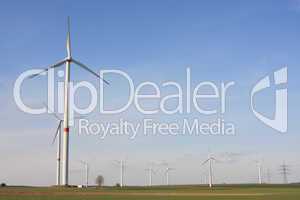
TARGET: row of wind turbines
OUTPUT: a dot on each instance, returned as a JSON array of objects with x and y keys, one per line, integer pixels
[
  {"x": 122, "y": 164},
  {"x": 150, "y": 171},
  {"x": 210, "y": 161}
]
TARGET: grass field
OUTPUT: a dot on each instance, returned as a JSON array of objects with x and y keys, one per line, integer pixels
[{"x": 241, "y": 192}]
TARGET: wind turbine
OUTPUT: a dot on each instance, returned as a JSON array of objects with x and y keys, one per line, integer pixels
[
  {"x": 210, "y": 171},
  {"x": 150, "y": 172},
  {"x": 259, "y": 170},
  {"x": 58, "y": 153},
  {"x": 67, "y": 61},
  {"x": 203, "y": 178},
  {"x": 86, "y": 165},
  {"x": 168, "y": 169},
  {"x": 122, "y": 164}
]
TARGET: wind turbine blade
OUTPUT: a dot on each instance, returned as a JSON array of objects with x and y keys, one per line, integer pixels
[
  {"x": 69, "y": 40},
  {"x": 48, "y": 68},
  {"x": 57, "y": 131},
  {"x": 89, "y": 70},
  {"x": 205, "y": 162}
]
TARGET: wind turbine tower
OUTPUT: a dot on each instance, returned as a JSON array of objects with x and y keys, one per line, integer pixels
[
  {"x": 150, "y": 172},
  {"x": 122, "y": 164},
  {"x": 210, "y": 170},
  {"x": 67, "y": 61},
  {"x": 122, "y": 172},
  {"x": 87, "y": 169},
  {"x": 168, "y": 169},
  {"x": 58, "y": 152},
  {"x": 259, "y": 170}
]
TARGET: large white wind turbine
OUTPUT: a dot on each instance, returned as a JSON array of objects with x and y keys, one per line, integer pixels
[
  {"x": 67, "y": 61},
  {"x": 210, "y": 170}
]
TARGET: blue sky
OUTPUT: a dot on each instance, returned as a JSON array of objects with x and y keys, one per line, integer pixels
[{"x": 151, "y": 41}]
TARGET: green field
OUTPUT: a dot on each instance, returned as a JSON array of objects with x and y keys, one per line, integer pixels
[{"x": 236, "y": 192}]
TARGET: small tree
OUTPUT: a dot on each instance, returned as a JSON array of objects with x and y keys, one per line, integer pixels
[
  {"x": 99, "y": 180},
  {"x": 3, "y": 184}
]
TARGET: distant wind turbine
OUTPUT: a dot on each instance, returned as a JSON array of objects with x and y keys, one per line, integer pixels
[
  {"x": 122, "y": 164},
  {"x": 58, "y": 152},
  {"x": 150, "y": 172},
  {"x": 210, "y": 170},
  {"x": 87, "y": 169},
  {"x": 259, "y": 170},
  {"x": 203, "y": 178},
  {"x": 168, "y": 169},
  {"x": 67, "y": 61}
]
